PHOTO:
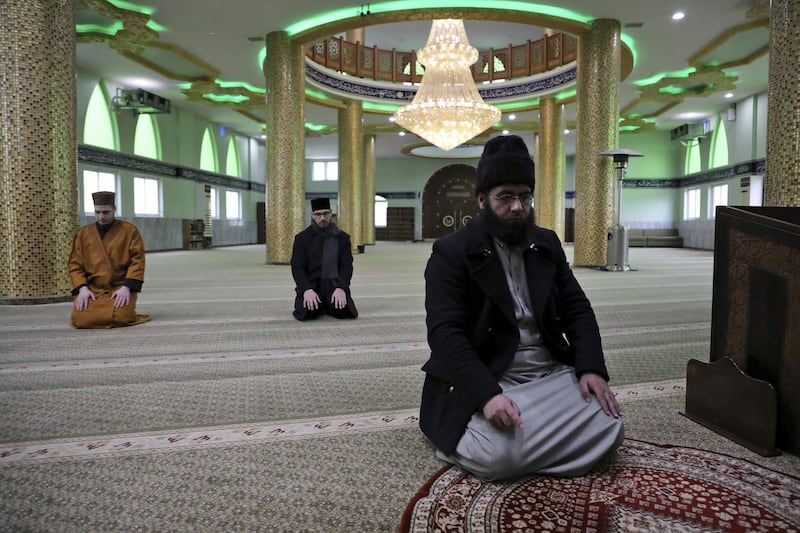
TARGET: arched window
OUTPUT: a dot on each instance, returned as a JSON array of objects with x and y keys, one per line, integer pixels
[
  {"x": 99, "y": 126},
  {"x": 692, "y": 162},
  {"x": 719, "y": 145},
  {"x": 146, "y": 141},
  {"x": 208, "y": 153},
  {"x": 233, "y": 166}
]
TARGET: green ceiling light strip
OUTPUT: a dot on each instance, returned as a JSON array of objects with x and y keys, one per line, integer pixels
[
  {"x": 316, "y": 127},
  {"x": 408, "y": 5},
  {"x": 240, "y": 84},
  {"x": 685, "y": 73},
  {"x": 130, "y": 6},
  {"x": 379, "y": 108},
  {"x": 226, "y": 98},
  {"x": 110, "y": 30}
]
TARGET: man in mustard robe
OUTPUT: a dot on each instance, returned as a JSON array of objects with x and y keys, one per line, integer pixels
[{"x": 106, "y": 269}]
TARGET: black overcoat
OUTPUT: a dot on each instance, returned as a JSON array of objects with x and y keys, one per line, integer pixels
[
  {"x": 473, "y": 332},
  {"x": 307, "y": 260}
]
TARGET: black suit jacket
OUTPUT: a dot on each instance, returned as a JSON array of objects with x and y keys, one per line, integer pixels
[
  {"x": 473, "y": 333},
  {"x": 307, "y": 260}
]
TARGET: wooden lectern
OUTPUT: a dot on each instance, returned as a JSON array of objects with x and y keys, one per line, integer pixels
[{"x": 750, "y": 391}]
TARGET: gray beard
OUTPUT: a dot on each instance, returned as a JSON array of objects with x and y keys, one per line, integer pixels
[{"x": 510, "y": 232}]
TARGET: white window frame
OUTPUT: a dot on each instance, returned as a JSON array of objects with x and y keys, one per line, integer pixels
[
  {"x": 717, "y": 195},
  {"x": 213, "y": 203},
  {"x": 325, "y": 171},
  {"x": 691, "y": 204},
  {"x": 147, "y": 197},
  {"x": 381, "y": 211},
  {"x": 94, "y": 181},
  {"x": 233, "y": 199}
]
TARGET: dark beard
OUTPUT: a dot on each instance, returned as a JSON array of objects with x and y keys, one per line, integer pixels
[{"x": 511, "y": 232}]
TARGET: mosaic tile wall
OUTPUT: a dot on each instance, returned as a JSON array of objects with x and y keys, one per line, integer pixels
[
  {"x": 351, "y": 158},
  {"x": 283, "y": 70},
  {"x": 38, "y": 209},
  {"x": 782, "y": 181},
  {"x": 550, "y": 168},
  {"x": 367, "y": 209},
  {"x": 598, "y": 115}
]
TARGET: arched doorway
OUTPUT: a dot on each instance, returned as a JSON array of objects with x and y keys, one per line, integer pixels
[{"x": 448, "y": 200}]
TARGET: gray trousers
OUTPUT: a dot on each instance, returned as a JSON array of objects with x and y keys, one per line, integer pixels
[{"x": 562, "y": 435}]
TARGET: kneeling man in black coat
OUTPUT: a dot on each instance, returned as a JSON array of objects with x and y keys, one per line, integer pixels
[
  {"x": 516, "y": 382},
  {"x": 322, "y": 267}
]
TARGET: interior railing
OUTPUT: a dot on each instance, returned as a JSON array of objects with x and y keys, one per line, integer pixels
[{"x": 515, "y": 61}]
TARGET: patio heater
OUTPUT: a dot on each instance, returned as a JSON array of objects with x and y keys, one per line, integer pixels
[{"x": 617, "y": 255}]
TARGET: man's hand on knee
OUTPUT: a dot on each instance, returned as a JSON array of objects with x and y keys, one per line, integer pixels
[
  {"x": 592, "y": 384},
  {"x": 339, "y": 298},
  {"x": 311, "y": 300},
  {"x": 121, "y": 297},
  {"x": 502, "y": 412},
  {"x": 84, "y": 295}
]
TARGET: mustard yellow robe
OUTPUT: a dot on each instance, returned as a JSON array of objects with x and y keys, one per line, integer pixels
[{"x": 103, "y": 264}]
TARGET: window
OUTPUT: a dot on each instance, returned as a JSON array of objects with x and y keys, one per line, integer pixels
[
  {"x": 233, "y": 205},
  {"x": 213, "y": 203},
  {"x": 718, "y": 196},
  {"x": 691, "y": 163},
  {"x": 691, "y": 204},
  {"x": 232, "y": 163},
  {"x": 381, "y": 209},
  {"x": 94, "y": 181},
  {"x": 756, "y": 196},
  {"x": 719, "y": 146},
  {"x": 325, "y": 171},
  {"x": 146, "y": 197},
  {"x": 146, "y": 139},
  {"x": 99, "y": 128},
  {"x": 208, "y": 152}
]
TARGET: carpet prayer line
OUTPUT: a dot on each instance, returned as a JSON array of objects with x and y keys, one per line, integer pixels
[{"x": 171, "y": 440}]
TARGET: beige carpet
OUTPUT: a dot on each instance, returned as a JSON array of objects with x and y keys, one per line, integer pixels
[{"x": 226, "y": 414}]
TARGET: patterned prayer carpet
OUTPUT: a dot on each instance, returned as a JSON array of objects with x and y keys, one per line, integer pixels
[
  {"x": 225, "y": 414},
  {"x": 645, "y": 488}
]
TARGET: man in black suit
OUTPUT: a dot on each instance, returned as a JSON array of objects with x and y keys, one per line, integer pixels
[
  {"x": 516, "y": 382},
  {"x": 322, "y": 267}
]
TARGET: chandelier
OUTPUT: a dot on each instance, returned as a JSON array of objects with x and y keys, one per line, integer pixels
[{"x": 447, "y": 109}]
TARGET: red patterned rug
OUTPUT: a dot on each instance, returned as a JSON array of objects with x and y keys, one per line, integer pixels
[{"x": 650, "y": 488}]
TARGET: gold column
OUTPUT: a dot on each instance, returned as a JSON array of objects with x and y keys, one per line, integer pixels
[
  {"x": 351, "y": 158},
  {"x": 286, "y": 188},
  {"x": 782, "y": 177},
  {"x": 549, "y": 193},
  {"x": 38, "y": 149},
  {"x": 597, "y": 131},
  {"x": 368, "y": 208},
  {"x": 356, "y": 35}
]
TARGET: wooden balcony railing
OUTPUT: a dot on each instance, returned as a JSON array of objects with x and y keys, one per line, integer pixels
[{"x": 515, "y": 61}]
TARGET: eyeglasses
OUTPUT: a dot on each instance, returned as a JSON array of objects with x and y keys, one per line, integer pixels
[{"x": 507, "y": 198}]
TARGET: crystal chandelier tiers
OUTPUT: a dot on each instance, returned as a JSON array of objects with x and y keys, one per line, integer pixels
[{"x": 447, "y": 110}]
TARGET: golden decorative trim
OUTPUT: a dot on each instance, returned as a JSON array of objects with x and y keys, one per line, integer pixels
[
  {"x": 713, "y": 80},
  {"x": 720, "y": 39}
]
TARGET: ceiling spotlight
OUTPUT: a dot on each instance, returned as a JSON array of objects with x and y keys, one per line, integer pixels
[
  {"x": 566, "y": 132},
  {"x": 678, "y": 15},
  {"x": 402, "y": 134},
  {"x": 512, "y": 116},
  {"x": 391, "y": 119},
  {"x": 728, "y": 95}
]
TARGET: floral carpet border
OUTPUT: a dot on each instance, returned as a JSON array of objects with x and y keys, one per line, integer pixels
[{"x": 648, "y": 487}]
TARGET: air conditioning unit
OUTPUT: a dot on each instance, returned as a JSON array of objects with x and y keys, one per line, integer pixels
[
  {"x": 140, "y": 101},
  {"x": 688, "y": 132}
]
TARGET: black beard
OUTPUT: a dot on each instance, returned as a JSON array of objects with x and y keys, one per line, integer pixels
[{"x": 510, "y": 232}]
